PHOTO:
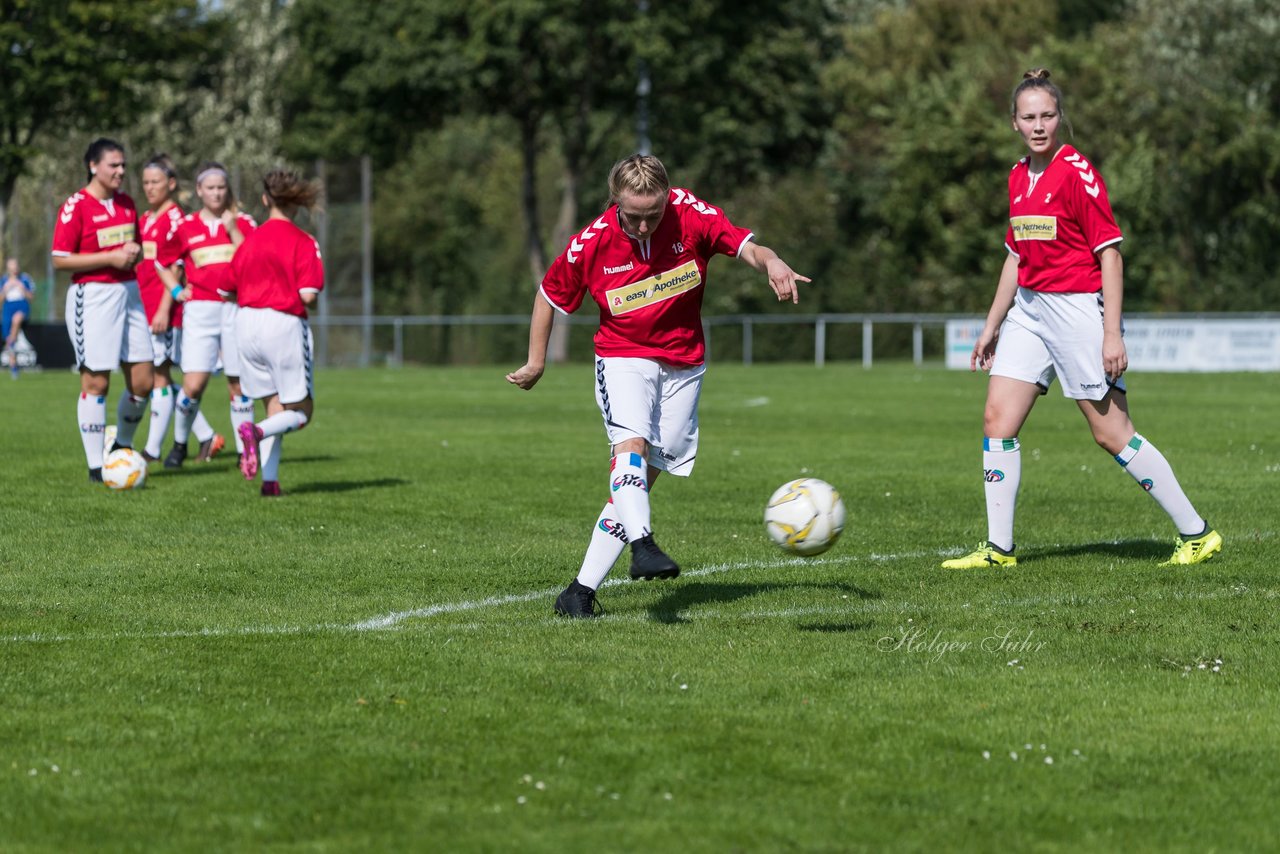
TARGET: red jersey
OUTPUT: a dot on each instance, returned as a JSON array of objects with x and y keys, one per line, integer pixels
[
  {"x": 275, "y": 266},
  {"x": 159, "y": 247},
  {"x": 649, "y": 292},
  {"x": 206, "y": 251},
  {"x": 87, "y": 225},
  {"x": 1058, "y": 223}
]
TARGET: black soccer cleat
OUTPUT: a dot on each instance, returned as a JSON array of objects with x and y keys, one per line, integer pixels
[
  {"x": 579, "y": 601},
  {"x": 95, "y": 475},
  {"x": 176, "y": 457},
  {"x": 650, "y": 562}
]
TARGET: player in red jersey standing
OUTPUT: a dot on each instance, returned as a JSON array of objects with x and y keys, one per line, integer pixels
[
  {"x": 96, "y": 239},
  {"x": 275, "y": 275},
  {"x": 644, "y": 262},
  {"x": 1057, "y": 312},
  {"x": 207, "y": 241},
  {"x": 159, "y": 226}
]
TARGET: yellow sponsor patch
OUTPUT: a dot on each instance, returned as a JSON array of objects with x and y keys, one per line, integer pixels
[
  {"x": 654, "y": 289},
  {"x": 206, "y": 255},
  {"x": 115, "y": 235},
  {"x": 1034, "y": 227},
  {"x": 149, "y": 250}
]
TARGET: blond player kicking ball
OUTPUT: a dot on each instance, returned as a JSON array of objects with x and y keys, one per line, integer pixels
[
  {"x": 275, "y": 275},
  {"x": 1057, "y": 312},
  {"x": 644, "y": 263}
]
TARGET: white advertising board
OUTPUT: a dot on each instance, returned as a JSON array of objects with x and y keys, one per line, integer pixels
[{"x": 1192, "y": 345}]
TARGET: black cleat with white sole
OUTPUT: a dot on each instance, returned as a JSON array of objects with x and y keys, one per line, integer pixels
[{"x": 650, "y": 562}]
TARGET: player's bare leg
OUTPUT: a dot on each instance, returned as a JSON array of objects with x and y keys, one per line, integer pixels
[{"x": 263, "y": 442}]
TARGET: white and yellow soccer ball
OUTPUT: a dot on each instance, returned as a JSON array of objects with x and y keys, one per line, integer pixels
[
  {"x": 124, "y": 469},
  {"x": 805, "y": 516}
]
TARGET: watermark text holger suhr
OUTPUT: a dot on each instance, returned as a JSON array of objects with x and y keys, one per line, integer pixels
[{"x": 917, "y": 640}]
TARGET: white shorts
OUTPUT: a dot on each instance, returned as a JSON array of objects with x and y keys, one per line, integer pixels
[
  {"x": 166, "y": 347},
  {"x": 276, "y": 355},
  {"x": 1047, "y": 335},
  {"x": 645, "y": 399},
  {"x": 107, "y": 325},
  {"x": 206, "y": 331}
]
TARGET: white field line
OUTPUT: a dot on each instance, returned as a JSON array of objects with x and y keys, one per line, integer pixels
[{"x": 392, "y": 620}]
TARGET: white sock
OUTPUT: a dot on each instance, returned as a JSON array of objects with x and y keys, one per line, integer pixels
[
  {"x": 283, "y": 422},
  {"x": 201, "y": 428},
  {"x": 269, "y": 452},
  {"x": 1002, "y": 473},
  {"x": 629, "y": 485},
  {"x": 607, "y": 542},
  {"x": 91, "y": 412},
  {"x": 241, "y": 412},
  {"x": 1149, "y": 468},
  {"x": 129, "y": 411},
  {"x": 184, "y": 413},
  {"x": 161, "y": 415}
]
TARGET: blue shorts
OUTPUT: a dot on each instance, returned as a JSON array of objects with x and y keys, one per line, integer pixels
[{"x": 12, "y": 307}]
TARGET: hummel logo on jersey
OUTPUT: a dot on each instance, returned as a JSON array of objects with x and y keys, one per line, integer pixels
[
  {"x": 577, "y": 244},
  {"x": 1086, "y": 173},
  {"x": 625, "y": 268},
  {"x": 101, "y": 218}
]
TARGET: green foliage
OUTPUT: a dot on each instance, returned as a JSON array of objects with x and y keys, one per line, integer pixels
[{"x": 185, "y": 668}]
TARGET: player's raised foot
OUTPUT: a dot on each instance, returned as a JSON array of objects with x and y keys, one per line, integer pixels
[
  {"x": 986, "y": 556},
  {"x": 177, "y": 456},
  {"x": 578, "y": 601},
  {"x": 650, "y": 562},
  {"x": 271, "y": 489},
  {"x": 1195, "y": 550},
  {"x": 95, "y": 475},
  {"x": 210, "y": 447},
  {"x": 250, "y": 435}
]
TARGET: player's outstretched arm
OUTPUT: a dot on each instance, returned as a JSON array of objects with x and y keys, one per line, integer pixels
[
  {"x": 784, "y": 281},
  {"x": 528, "y": 375}
]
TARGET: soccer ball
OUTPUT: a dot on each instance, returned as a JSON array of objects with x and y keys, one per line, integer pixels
[
  {"x": 124, "y": 469},
  {"x": 805, "y": 516}
]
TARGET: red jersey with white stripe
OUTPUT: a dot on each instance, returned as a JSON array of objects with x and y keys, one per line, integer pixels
[
  {"x": 159, "y": 246},
  {"x": 649, "y": 292},
  {"x": 1058, "y": 223},
  {"x": 87, "y": 225},
  {"x": 275, "y": 266},
  {"x": 206, "y": 251}
]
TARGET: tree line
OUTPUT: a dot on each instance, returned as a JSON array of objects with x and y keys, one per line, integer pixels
[{"x": 868, "y": 139}]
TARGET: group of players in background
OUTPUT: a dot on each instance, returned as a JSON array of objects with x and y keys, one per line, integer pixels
[{"x": 193, "y": 290}]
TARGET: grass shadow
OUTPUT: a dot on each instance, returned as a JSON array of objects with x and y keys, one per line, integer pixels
[
  {"x": 1130, "y": 549},
  {"x": 835, "y": 628},
  {"x": 670, "y": 608},
  {"x": 346, "y": 485}
]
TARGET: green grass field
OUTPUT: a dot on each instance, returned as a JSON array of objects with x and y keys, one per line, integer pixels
[{"x": 371, "y": 662}]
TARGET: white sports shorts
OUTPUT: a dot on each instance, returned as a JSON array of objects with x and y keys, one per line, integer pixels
[
  {"x": 166, "y": 347},
  {"x": 645, "y": 399},
  {"x": 275, "y": 356},
  {"x": 107, "y": 325},
  {"x": 1047, "y": 335},
  {"x": 206, "y": 330}
]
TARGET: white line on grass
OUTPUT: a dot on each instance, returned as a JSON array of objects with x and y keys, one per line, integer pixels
[{"x": 390, "y": 621}]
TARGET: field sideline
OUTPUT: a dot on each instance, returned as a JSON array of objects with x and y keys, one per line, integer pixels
[{"x": 371, "y": 662}]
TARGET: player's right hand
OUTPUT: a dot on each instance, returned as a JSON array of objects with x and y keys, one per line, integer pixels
[
  {"x": 984, "y": 351},
  {"x": 526, "y": 377}
]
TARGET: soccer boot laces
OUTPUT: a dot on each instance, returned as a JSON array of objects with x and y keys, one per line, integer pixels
[
  {"x": 1195, "y": 550},
  {"x": 983, "y": 557},
  {"x": 578, "y": 601},
  {"x": 650, "y": 562}
]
